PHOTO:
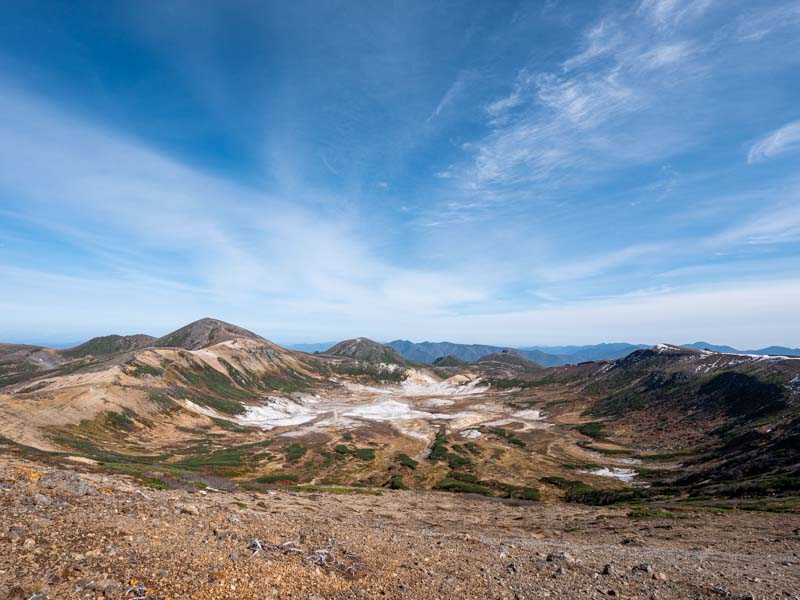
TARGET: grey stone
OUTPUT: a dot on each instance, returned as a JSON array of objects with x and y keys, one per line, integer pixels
[
  {"x": 66, "y": 482},
  {"x": 559, "y": 556}
]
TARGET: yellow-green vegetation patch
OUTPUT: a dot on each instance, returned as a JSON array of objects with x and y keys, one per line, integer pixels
[
  {"x": 230, "y": 425},
  {"x": 365, "y": 454},
  {"x": 164, "y": 402},
  {"x": 122, "y": 420},
  {"x": 336, "y": 490},
  {"x": 506, "y": 435},
  {"x": 654, "y": 513},
  {"x": 465, "y": 487},
  {"x": 278, "y": 478},
  {"x": 154, "y": 483},
  {"x": 143, "y": 370}
]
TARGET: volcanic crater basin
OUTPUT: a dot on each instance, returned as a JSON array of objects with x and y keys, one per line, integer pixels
[{"x": 418, "y": 408}]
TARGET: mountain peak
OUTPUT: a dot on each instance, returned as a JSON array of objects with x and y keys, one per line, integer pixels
[
  {"x": 203, "y": 332},
  {"x": 109, "y": 344},
  {"x": 367, "y": 350},
  {"x": 510, "y": 358}
]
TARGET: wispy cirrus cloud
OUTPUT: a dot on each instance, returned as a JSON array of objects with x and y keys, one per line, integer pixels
[
  {"x": 758, "y": 23},
  {"x": 451, "y": 94},
  {"x": 783, "y": 140},
  {"x": 778, "y": 224},
  {"x": 585, "y": 117},
  {"x": 670, "y": 13},
  {"x": 219, "y": 242}
]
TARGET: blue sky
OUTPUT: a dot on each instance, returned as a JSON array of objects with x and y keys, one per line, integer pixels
[{"x": 503, "y": 172}]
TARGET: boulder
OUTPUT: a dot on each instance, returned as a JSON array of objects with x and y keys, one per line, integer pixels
[{"x": 66, "y": 482}]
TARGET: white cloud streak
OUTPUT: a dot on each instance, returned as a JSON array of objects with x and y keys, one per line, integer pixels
[
  {"x": 234, "y": 246},
  {"x": 781, "y": 141},
  {"x": 666, "y": 14}
]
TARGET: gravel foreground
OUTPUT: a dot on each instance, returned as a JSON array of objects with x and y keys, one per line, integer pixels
[{"x": 72, "y": 534}]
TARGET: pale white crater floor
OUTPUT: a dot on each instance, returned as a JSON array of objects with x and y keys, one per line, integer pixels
[{"x": 417, "y": 408}]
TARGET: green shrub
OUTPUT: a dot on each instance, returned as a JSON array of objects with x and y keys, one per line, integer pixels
[
  {"x": 120, "y": 421},
  {"x": 230, "y": 425},
  {"x": 154, "y": 483},
  {"x": 163, "y": 401},
  {"x": 295, "y": 452},
  {"x": 438, "y": 448},
  {"x": 455, "y": 461},
  {"x": 396, "y": 483},
  {"x": 452, "y": 485},
  {"x": 364, "y": 453},
  {"x": 529, "y": 493},
  {"x": 473, "y": 448},
  {"x": 141, "y": 370},
  {"x": 593, "y": 430},
  {"x": 559, "y": 482},
  {"x": 407, "y": 461},
  {"x": 507, "y": 435}
]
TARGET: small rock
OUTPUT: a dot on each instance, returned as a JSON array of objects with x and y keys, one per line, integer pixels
[
  {"x": 109, "y": 587},
  {"x": 644, "y": 567},
  {"x": 608, "y": 569},
  {"x": 559, "y": 556},
  {"x": 188, "y": 509},
  {"x": 511, "y": 568},
  {"x": 660, "y": 576},
  {"x": 632, "y": 541},
  {"x": 29, "y": 543}
]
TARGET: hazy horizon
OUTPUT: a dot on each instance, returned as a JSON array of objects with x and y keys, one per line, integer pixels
[{"x": 67, "y": 343}]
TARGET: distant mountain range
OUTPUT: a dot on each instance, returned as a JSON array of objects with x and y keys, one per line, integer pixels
[
  {"x": 548, "y": 356},
  {"x": 311, "y": 348},
  {"x": 773, "y": 350}
]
